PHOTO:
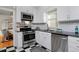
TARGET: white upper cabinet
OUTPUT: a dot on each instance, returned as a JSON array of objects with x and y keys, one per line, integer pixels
[
  {"x": 74, "y": 12},
  {"x": 38, "y": 15},
  {"x": 62, "y": 13},
  {"x": 68, "y": 13}
]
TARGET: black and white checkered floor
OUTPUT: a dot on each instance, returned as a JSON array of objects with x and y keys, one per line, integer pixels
[{"x": 30, "y": 48}]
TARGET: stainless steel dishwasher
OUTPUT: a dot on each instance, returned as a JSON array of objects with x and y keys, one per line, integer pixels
[{"x": 59, "y": 43}]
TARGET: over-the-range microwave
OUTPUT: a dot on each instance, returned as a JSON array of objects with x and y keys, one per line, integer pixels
[{"x": 26, "y": 17}]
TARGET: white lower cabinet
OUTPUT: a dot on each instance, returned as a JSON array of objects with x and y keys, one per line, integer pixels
[
  {"x": 73, "y": 44},
  {"x": 43, "y": 38}
]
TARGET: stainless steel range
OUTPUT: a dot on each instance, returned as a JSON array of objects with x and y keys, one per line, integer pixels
[{"x": 28, "y": 33}]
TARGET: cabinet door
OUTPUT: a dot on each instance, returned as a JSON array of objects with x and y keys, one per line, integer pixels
[
  {"x": 62, "y": 13},
  {"x": 73, "y": 44},
  {"x": 74, "y": 12},
  {"x": 43, "y": 38}
]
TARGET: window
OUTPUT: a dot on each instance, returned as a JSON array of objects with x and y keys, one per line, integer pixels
[{"x": 52, "y": 19}]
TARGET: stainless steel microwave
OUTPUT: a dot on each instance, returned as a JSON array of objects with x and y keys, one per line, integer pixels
[{"x": 26, "y": 17}]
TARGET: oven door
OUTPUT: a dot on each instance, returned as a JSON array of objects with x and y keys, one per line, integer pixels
[{"x": 28, "y": 37}]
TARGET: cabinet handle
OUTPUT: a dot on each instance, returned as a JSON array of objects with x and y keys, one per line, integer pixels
[{"x": 64, "y": 38}]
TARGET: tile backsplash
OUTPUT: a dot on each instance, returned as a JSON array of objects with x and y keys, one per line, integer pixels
[
  {"x": 41, "y": 26},
  {"x": 69, "y": 27}
]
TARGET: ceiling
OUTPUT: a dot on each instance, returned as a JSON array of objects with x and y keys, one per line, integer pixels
[{"x": 5, "y": 12}]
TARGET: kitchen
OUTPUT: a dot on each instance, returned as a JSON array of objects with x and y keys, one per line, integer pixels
[{"x": 49, "y": 28}]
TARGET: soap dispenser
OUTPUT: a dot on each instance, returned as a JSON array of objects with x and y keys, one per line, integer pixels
[{"x": 76, "y": 30}]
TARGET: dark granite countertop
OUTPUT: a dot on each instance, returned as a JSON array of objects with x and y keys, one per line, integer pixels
[{"x": 61, "y": 33}]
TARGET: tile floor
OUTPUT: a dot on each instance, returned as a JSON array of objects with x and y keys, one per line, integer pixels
[{"x": 30, "y": 48}]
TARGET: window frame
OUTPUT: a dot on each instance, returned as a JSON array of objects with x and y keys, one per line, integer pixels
[{"x": 52, "y": 18}]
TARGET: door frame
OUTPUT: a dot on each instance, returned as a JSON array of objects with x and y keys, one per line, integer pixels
[{"x": 14, "y": 22}]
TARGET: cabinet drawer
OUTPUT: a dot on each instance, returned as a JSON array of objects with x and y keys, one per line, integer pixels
[
  {"x": 73, "y": 40},
  {"x": 73, "y": 44},
  {"x": 72, "y": 49}
]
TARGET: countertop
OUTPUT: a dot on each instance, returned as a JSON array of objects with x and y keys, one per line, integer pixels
[{"x": 61, "y": 33}]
